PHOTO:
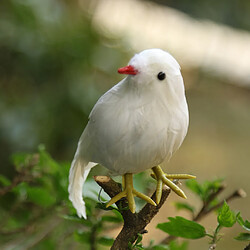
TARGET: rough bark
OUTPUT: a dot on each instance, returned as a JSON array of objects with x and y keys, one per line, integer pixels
[{"x": 136, "y": 223}]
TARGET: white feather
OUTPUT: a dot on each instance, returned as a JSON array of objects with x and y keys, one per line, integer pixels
[
  {"x": 78, "y": 173},
  {"x": 136, "y": 125}
]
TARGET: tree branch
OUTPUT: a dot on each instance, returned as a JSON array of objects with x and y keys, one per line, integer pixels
[
  {"x": 134, "y": 224},
  {"x": 21, "y": 177},
  {"x": 240, "y": 193},
  {"x": 205, "y": 208}
]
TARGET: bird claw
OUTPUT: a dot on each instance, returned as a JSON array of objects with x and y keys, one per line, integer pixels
[
  {"x": 167, "y": 179},
  {"x": 129, "y": 192}
]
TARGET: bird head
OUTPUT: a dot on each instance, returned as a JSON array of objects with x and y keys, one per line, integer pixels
[{"x": 155, "y": 69}]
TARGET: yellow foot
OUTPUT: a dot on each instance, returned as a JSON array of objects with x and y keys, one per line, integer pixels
[
  {"x": 163, "y": 178},
  {"x": 129, "y": 192}
]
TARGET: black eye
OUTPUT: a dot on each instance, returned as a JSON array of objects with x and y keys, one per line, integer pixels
[{"x": 161, "y": 76}]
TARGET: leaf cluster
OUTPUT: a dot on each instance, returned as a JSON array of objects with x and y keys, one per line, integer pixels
[
  {"x": 36, "y": 202},
  {"x": 38, "y": 196},
  {"x": 190, "y": 229}
]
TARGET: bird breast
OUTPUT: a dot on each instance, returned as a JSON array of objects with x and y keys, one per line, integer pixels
[{"x": 129, "y": 135}]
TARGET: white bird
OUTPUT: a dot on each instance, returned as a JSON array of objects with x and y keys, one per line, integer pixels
[{"x": 136, "y": 125}]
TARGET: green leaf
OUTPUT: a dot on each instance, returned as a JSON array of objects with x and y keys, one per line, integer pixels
[
  {"x": 75, "y": 218},
  {"x": 243, "y": 237},
  {"x": 4, "y": 181},
  {"x": 174, "y": 245},
  {"x": 210, "y": 187},
  {"x": 111, "y": 219},
  {"x": 213, "y": 203},
  {"x": 184, "y": 205},
  {"x": 136, "y": 247},
  {"x": 106, "y": 241},
  {"x": 182, "y": 227},
  {"x": 226, "y": 216},
  {"x": 83, "y": 237},
  {"x": 46, "y": 161},
  {"x": 19, "y": 158},
  {"x": 160, "y": 247},
  {"x": 239, "y": 219},
  {"x": 103, "y": 206},
  {"x": 194, "y": 186},
  {"x": 139, "y": 239},
  {"x": 71, "y": 218},
  {"x": 206, "y": 189},
  {"x": 245, "y": 224},
  {"x": 117, "y": 214},
  {"x": 48, "y": 244},
  {"x": 40, "y": 196}
]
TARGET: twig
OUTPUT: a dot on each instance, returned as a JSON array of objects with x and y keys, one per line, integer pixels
[
  {"x": 247, "y": 247},
  {"x": 134, "y": 224},
  {"x": 212, "y": 247},
  {"x": 205, "y": 208},
  {"x": 93, "y": 237},
  {"x": 23, "y": 176},
  {"x": 240, "y": 193},
  {"x": 30, "y": 238}
]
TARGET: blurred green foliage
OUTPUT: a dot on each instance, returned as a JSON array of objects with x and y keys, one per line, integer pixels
[
  {"x": 190, "y": 229},
  {"x": 35, "y": 212},
  {"x": 53, "y": 68}
]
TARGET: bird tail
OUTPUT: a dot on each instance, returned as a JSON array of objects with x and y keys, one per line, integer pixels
[{"x": 78, "y": 173}]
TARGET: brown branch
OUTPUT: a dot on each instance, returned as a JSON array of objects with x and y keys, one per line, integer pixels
[
  {"x": 205, "y": 208},
  {"x": 21, "y": 177},
  {"x": 247, "y": 247},
  {"x": 134, "y": 224},
  {"x": 240, "y": 193},
  {"x": 93, "y": 238}
]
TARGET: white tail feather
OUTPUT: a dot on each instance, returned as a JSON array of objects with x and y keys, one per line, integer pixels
[{"x": 78, "y": 173}]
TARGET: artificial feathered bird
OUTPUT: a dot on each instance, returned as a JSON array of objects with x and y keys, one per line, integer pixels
[{"x": 136, "y": 125}]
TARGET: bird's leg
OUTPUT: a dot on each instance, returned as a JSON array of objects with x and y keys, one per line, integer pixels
[
  {"x": 167, "y": 179},
  {"x": 129, "y": 192}
]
